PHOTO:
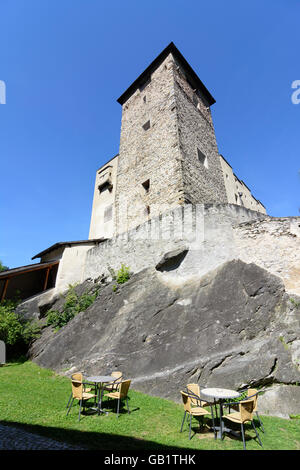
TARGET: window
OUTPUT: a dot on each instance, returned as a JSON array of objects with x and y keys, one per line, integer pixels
[
  {"x": 146, "y": 185},
  {"x": 147, "y": 210},
  {"x": 108, "y": 213},
  {"x": 105, "y": 186},
  {"x": 145, "y": 99},
  {"x": 202, "y": 158},
  {"x": 146, "y": 126}
]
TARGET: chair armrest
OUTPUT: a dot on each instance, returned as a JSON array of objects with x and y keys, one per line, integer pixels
[{"x": 88, "y": 383}]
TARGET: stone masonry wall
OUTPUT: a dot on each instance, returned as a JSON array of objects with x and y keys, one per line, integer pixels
[
  {"x": 203, "y": 183},
  {"x": 148, "y": 154},
  {"x": 206, "y": 230},
  {"x": 273, "y": 244},
  {"x": 213, "y": 235}
]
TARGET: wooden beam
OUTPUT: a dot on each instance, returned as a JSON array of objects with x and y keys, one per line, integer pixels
[
  {"x": 46, "y": 279},
  {"x": 5, "y": 289},
  {"x": 25, "y": 271}
]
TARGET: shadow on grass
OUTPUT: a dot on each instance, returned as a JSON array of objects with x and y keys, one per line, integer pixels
[{"x": 94, "y": 440}]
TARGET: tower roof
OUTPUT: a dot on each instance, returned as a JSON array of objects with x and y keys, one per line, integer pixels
[{"x": 171, "y": 48}]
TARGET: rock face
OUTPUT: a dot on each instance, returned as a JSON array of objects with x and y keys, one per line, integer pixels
[{"x": 232, "y": 328}]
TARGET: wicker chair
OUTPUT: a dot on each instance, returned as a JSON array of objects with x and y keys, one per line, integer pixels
[
  {"x": 113, "y": 386},
  {"x": 78, "y": 376},
  {"x": 253, "y": 391},
  {"x": 79, "y": 392},
  {"x": 195, "y": 389},
  {"x": 243, "y": 415},
  {"x": 188, "y": 399},
  {"x": 120, "y": 394}
]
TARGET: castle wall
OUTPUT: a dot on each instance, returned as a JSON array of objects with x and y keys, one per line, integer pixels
[
  {"x": 237, "y": 191},
  {"x": 273, "y": 244},
  {"x": 205, "y": 229},
  {"x": 202, "y": 172},
  {"x": 102, "y": 218},
  {"x": 148, "y": 153},
  {"x": 213, "y": 234},
  {"x": 71, "y": 267}
]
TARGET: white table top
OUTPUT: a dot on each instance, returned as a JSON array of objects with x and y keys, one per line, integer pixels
[
  {"x": 219, "y": 393},
  {"x": 100, "y": 378}
]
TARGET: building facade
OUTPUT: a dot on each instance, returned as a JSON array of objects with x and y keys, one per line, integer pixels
[{"x": 168, "y": 152}]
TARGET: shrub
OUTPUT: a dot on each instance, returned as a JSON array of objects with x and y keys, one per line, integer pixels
[
  {"x": 73, "y": 305},
  {"x": 123, "y": 274},
  {"x": 15, "y": 331}
]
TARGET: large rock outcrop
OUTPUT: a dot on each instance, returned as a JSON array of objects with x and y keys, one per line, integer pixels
[{"x": 232, "y": 328}]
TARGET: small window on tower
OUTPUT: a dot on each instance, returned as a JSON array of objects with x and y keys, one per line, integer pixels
[
  {"x": 202, "y": 158},
  {"x": 145, "y": 99},
  {"x": 146, "y": 126},
  {"x": 146, "y": 185}
]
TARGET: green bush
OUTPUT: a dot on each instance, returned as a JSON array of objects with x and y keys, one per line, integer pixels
[
  {"x": 16, "y": 332},
  {"x": 123, "y": 274},
  {"x": 73, "y": 305}
]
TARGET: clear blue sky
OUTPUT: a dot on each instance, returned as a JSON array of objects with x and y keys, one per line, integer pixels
[{"x": 65, "y": 63}]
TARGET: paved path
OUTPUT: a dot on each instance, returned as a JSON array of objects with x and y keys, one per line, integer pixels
[{"x": 16, "y": 439}]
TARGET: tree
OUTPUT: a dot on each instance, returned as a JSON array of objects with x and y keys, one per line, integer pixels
[{"x": 2, "y": 267}]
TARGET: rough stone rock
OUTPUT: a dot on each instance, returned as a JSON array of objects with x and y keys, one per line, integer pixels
[
  {"x": 36, "y": 307},
  {"x": 232, "y": 328}
]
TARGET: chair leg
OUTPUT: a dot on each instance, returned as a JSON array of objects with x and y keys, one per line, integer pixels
[
  {"x": 80, "y": 403},
  {"x": 69, "y": 400},
  {"x": 127, "y": 405},
  {"x": 70, "y": 406},
  {"x": 118, "y": 408},
  {"x": 257, "y": 435},
  {"x": 190, "y": 426},
  {"x": 243, "y": 436},
  {"x": 183, "y": 421},
  {"x": 260, "y": 422}
]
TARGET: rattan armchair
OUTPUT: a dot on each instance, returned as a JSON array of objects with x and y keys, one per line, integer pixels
[
  {"x": 189, "y": 398},
  {"x": 78, "y": 376},
  {"x": 253, "y": 391},
  {"x": 243, "y": 415},
  {"x": 195, "y": 389},
  {"x": 120, "y": 394},
  {"x": 113, "y": 385},
  {"x": 79, "y": 393}
]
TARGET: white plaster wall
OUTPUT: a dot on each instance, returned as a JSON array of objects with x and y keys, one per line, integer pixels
[
  {"x": 219, "y": 234},
  {"x": 71, "y": 267},
  {"x": 101, "y": 201}
]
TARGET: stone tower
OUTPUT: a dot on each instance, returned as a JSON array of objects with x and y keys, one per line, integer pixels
[{"x": 168, "y": 153}]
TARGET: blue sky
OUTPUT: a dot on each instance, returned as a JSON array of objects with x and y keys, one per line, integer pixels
[{"x": 65, "y": 63}]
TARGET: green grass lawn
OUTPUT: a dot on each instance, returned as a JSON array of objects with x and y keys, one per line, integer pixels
[{"x": 35, "y": 399}]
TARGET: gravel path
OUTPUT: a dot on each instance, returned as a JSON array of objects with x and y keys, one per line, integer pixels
[{"x": 16, "y": 439}]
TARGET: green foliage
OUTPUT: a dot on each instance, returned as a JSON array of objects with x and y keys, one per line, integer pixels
[
  {"x": 295, "y": 303},
  {"x": 2, "y": 267},
  {"x": 14, "y": 329},
  {"x": 121, "y": 276},
  {"x": 73, "y": 305},
  {"x": 243, "y": 396}
]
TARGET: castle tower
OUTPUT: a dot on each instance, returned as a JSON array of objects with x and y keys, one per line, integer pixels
[{"x": 168, "y": 153}]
